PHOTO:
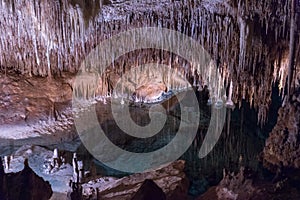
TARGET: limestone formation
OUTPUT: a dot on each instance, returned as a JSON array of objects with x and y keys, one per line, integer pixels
[
  {"x": 48, "y": 38},
  {"x": 78, "y": 170},
  {"x": 254, "y": 46},
  {"x": 282, "y": 148},
  {"x": 171, "y": 179},
  {"x": 245, "y": 185},
  {"x": 236, "y": 186},
  {"x": 25, "y": 185},
  {"x": 6, "y": 162},
  {"x": 148, "y": 191}
]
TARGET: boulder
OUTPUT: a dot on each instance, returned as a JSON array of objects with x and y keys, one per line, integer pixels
[
  {"x": 148, "y": 191},
  {"x": 171, "y": 179}
]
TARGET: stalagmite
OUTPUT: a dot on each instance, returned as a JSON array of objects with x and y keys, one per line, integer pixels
[
  {"x": 56, "y": 159},
  {"x": 55, "y": 154},
  {"x": 75, "y": 168},
  {"x": 229, "y": 102},
  {"x": 219, "y": 101},
  {"x": 81, "y": 172},
  {"x": 7, "y": 162}
]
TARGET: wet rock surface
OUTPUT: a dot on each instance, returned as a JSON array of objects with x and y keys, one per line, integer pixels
[
  {"x": 42, "y": 107},
  {"x": 208, "y": 22},
  {"x": 57, "y": 169},
  {"x": 280, "y": 155},
  {"x": 45, "y": 39}
]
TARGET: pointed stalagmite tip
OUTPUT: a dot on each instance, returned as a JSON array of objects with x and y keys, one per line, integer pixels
[
  {"x": 26, "y": 164},
  {"x": 230, "y": 104}
]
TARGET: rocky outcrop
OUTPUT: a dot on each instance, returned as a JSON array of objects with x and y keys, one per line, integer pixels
[
  {"x": 233, "y": 186},
  {"x": 171, "y": 179},
  {"x": 244, "y": 185},
  {"x": 236, "y": 186},
  {"x": 148, "y": 191},
  {"x": 23, "y": 185},
  {"x": 31, "y": 107},
  {"x": 282, "y": 149},
  {"x": 27, "y": 100}
]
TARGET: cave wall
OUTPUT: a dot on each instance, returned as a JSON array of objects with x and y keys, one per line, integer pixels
[{"x": 248, "y": 40}]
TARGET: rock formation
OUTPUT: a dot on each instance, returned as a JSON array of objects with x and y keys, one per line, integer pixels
[
  {"x": 48, "y": 38},
  {"x": 148, "y": 191},
  {"x": 254, "y": 46},
  {"x": 24, "y": 185},
  {"x": 78, "y": 169},
  {"x": 282, "y": 148},
  {"x": 236, "y": 186},
  {"x": 244, "y": 185},
  {"x": 233, "y": 186},
  {"x": 171, "y": 179}
]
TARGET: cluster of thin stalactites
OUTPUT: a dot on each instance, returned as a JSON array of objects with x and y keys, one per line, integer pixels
[{"x": 247, "y": 41}]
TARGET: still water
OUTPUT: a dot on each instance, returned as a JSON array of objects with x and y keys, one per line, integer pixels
[{"x": 240, "y": 143}]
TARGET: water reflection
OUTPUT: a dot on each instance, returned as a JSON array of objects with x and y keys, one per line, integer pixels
[{"x": 240, "y": 144}]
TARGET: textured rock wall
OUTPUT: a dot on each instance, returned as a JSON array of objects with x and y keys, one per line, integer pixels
[{"x": 282, "y": 148}]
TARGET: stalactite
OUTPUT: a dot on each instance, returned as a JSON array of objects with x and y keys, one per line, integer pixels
[
  {"x": 291, "y": 47},
  {"x": 57, "y": 38},
  {"x": 243, "y": 42}
]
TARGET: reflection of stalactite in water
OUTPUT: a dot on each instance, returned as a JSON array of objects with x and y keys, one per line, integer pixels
[{"x": 228, "y": 150}]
